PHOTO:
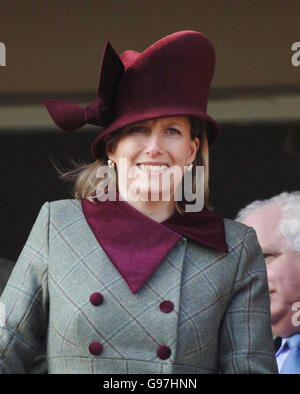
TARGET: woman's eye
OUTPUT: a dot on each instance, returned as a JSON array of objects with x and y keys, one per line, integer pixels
[
  {"x": 173, "y": 131},
  {"x": 137, "y": 129}
]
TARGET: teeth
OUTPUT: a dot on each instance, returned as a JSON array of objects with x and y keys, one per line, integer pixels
[{"x": 151, "y": 168}]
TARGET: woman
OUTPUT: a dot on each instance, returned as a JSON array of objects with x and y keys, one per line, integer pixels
[{"x": 141, "y": 285}]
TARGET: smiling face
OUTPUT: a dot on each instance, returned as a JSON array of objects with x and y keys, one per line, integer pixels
[
  {"x": 283, "y": 267},
  {"x": 151, "y": 148}
]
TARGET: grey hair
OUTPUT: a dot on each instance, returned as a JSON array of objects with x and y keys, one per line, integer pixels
[{"x": 289, "y": 226}]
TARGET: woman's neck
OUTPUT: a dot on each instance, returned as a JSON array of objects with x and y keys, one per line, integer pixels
[{"x": 156, "y": 210}]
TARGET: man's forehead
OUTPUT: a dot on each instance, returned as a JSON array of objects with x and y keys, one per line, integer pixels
[{"x": 265, "y": 221}]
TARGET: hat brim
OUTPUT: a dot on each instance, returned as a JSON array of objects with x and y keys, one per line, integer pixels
[{"x": 98, "y": 148}]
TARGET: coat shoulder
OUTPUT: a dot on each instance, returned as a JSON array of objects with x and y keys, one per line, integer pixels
[
  {"x": 65, "y": 203},
  {"x": 235, "y": 231},
  {"x": 62, "y": 210},
  {"x": 68, "y": 203}
]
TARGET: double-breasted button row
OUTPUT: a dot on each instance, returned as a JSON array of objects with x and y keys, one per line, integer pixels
[
  {"x": 165, "y": 306},
  {"x": 96, "y": 348},
  {"x": 163, "y": 351}
]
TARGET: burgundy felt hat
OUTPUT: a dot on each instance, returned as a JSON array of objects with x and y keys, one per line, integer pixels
[{"x": 170, "y": 78}]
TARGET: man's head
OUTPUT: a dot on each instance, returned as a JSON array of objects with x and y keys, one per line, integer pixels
[{"x": 277, "y": 225}]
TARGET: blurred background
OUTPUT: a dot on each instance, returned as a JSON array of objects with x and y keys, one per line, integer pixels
[{"x": 54, "y": 49}]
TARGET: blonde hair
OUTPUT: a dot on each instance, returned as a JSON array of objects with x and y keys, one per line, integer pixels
[{"x": 84, "y": 175}]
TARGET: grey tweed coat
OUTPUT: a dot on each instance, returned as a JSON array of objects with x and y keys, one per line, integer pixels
[{"x": 220, "y": 322}]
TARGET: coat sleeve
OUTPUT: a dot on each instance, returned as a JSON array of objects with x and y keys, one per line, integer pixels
[
  {"x": 24, "y": 303},
  {"x": 246, "y": 343}
]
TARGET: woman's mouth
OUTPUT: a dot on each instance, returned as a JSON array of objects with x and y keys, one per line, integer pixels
[{"x": 152, "y": 168}]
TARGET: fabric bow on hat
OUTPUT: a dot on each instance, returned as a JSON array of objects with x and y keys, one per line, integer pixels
[{"x": 69, "y": 116}]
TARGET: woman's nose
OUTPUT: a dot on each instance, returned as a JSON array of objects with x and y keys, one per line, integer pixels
[{"x": 154, "y": 145}]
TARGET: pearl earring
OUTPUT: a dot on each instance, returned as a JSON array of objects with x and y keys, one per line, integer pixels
[{"x": 111, "y": 163}]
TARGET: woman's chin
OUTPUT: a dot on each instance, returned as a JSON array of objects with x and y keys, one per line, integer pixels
[{"x": 150, "y": 194}]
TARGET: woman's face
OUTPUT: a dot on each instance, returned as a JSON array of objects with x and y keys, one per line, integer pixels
[{"x": 150, "y": 150}]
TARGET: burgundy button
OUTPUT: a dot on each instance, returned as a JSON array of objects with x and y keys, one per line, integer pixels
[
  {"x": 96, "y": 299},
  {"x": 166, "y": 306},
  {"x": 163, "y": 352},
  {"x": 95, "y": 348}
]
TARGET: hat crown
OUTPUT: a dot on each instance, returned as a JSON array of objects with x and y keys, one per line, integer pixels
[
  {"x": 174, "y": 73},
  {"x": 128, "y": 57},
  {"x": 169, "y": 78}
]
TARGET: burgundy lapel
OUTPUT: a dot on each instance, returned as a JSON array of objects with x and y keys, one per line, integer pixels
[{"x": 133, "y": 241}]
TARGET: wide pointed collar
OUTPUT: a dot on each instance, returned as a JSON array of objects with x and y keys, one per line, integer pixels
[{"x": 136, "y": 244}]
